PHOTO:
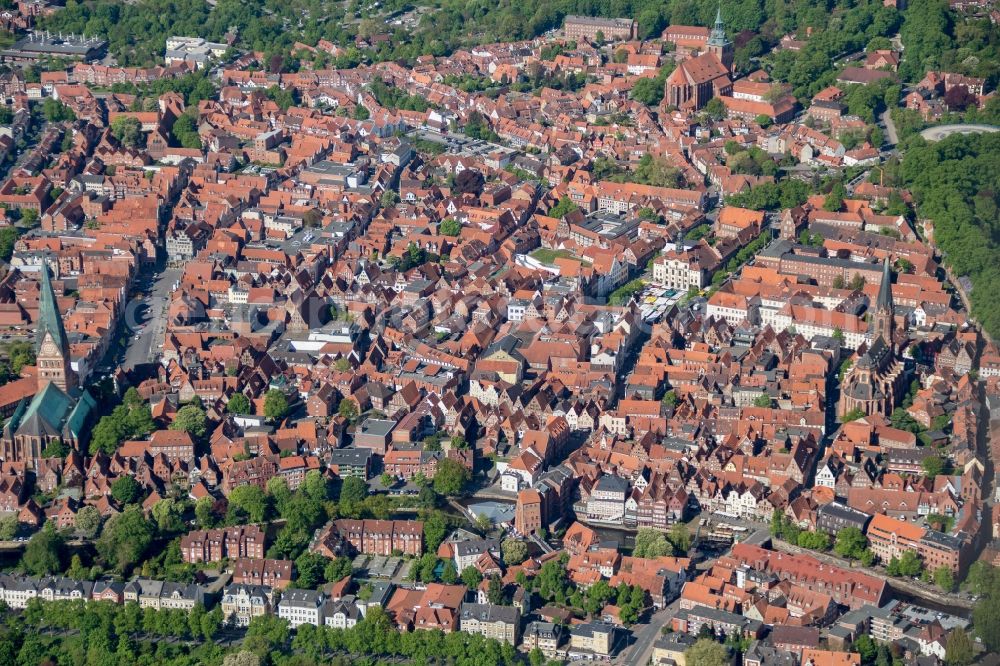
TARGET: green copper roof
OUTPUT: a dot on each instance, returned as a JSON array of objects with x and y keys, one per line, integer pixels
[
  {"x": 14, "y": 422},
  {"x": 47, "y": 411},
  {"x": 49, "y": 317},
  {"x": 78, "y": 418},
  {"x": 717, "y": 37}
]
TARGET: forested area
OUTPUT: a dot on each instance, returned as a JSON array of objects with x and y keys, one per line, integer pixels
[{"x": 956, "y": 183}]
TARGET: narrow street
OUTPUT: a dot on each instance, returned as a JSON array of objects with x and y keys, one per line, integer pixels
[
  {"x": 641, "y": 650},
  {"x": 890, "y": 128}
]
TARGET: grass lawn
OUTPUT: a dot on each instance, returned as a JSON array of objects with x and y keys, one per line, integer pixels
[{"x": 548, "y": 256}]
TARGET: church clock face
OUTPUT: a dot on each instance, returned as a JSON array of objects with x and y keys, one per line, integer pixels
[{"x": 49, "y": 347}]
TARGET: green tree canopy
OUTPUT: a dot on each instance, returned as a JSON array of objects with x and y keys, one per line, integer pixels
[
  {"x": 451, "y": 478},
  {"x": 706, "y": 652},
  {"x": 251, "y": 500},
  {"x": 126, "y": 489},
  {"x": 238, "y": 404},
  {"x": 125, "y": 538},
  {"x": 192, "y": 420},
  {"x": 45, "y": 553},
  {"x": 275, "y": 405}
]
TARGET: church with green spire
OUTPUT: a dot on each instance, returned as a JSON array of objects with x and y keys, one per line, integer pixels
[
  {"x": 719, "y": 43},
  {"x": 59, "y": 409}
]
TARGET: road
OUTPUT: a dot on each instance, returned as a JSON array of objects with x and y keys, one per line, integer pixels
[
  {"x": 641, "y": 650},
  {"x": 941, "y": 131},
  {"x": 151, "y": 314},
  {"x": 890, "y": 128}
]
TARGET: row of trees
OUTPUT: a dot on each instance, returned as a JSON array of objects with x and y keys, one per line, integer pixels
[{"x": 106, "y": 633}]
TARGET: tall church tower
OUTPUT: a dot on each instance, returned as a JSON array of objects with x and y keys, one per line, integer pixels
[
  {"x": 884, "y": 319},
  {"x": 719, "y": 44},
  {"x": 51, "y": 343}
]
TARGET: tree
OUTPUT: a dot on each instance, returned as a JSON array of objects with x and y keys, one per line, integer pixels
[
  {"x": 55, "y": 111},
  {"x": 563, "y": 208},
  {"x": 483, "y": 523},
  {"x": 471, "y": 577},
  {"x": 435, "y": 530},
  {"x": 706, "y": 652},
  {"x": 126, "y": 421},
  {"x": 211, "y": 622},
  {"x": 959, "y": 650},
  {"x": 670, "y": 398},
  {"x": 449, "y": 575},
  {"x": 353, "y": 489},
  {"x": 981, "y": 579},
  {"x": 241, "y": 658},
  {"x": 238, "y": 404},
  {"x": 514, "y": 551},
  {"x": 450, "y": 227},
  {"x": 338, "y": 569},
  {"x": 126, "y": 489},
  {"x": 715, "y": 109},
  {"x": 387, "y": 480},
  {"x": 8, "y": 527},
  {"x": 944, "y": 578},
  {"x": 45, "y": 553},
  {"x": 185, "y": 131},
  {"x": 389, "y": 199},
  {"x": 128, "y": 130},
  {"x": 266, "y": 633},
  {"x": 451, "y": 477},
  {"x": 169, "y": 516},
  {"x": 852, "y": 415},
  {"x": 192, "y": 420},
  {"x": 958, "y": 98},
  {"x": 834, "y": 200},
  {"x": 907, "y": 565},
  {"x": 20, "y": 354},
  {"x": 469, "y": 181},
  {"x": 348, "y": 410},
  {"x": 866, "y": 647},
  {"x": 680, "y": 538},
  {"x": 56, "y": 448},
  {"x": 651, "y": 543},
  {"x": 310, "y": 570},
  {"x": 649, "y": 90},
  {"x": 494, "y": 591},
  {"x": 125, "y": 538},
  {"x": 851, "y": 543},
  {"x": 88, "y": 521},
  {"x": 204, "y": 514},
  {"x": 251, "y": 500},
  {"x": 8, "y": 236},
  {"x": 813, "y": 540},
  {"x": 763, "y": 400},
  {"x": 933, "y": 466},
  {"x": 275, "y": 405}
]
